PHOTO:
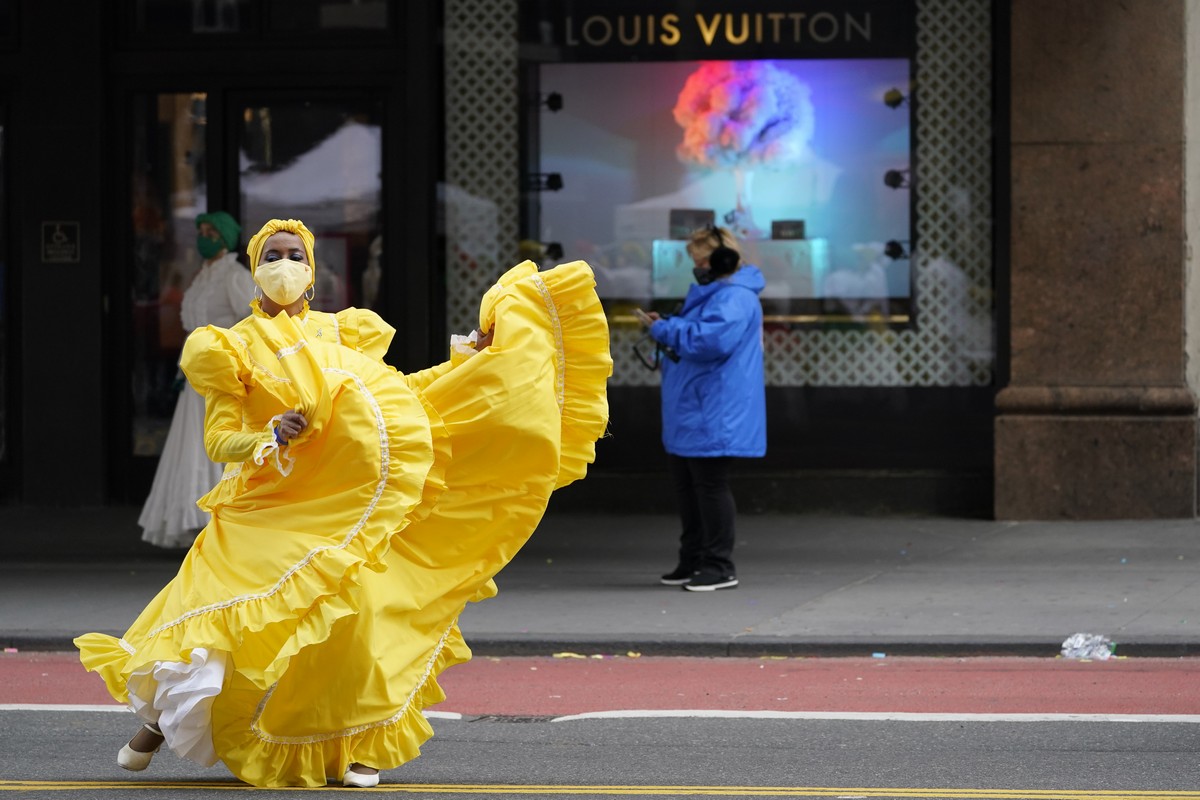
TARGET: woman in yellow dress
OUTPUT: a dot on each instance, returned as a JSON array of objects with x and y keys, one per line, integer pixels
[{"x": 361, "y": 509}]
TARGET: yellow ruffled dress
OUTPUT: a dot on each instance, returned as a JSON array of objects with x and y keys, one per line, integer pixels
[{"x": 308, "y": 623}]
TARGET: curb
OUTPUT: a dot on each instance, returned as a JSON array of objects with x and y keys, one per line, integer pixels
[
  {"x": 514, "y": 646},
  {"x": 815, "y": 648}
]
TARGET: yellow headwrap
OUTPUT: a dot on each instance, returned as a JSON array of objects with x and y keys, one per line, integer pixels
[{"x": 258, "y": 241}]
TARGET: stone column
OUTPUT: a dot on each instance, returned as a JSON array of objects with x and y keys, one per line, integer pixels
[{"x": 1098, "y": 420}]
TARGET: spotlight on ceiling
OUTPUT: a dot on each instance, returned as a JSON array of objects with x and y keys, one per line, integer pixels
[
  {"x": 897, "y": 179},
  {"x": 894, "y": 98},
  {"x": 895, "y": 250},
  {"x": 543, "y": 182}
]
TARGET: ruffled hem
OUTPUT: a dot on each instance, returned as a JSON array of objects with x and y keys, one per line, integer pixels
[
  {"x": 301, "y": 615},
  {"x": 265, "y": 760},
  {"x": 298, "y": 612},
  {"x": 588, "y": 365}
]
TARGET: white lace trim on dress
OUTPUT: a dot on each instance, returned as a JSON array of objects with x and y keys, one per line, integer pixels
[
  {"x": 273, "y": 449},
  {"x": 560, "y": 366},
  {"x": 324, "y": 737}
]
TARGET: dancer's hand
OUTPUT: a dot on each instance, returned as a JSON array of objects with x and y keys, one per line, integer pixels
[
  {"x": 482, "y": 339},
  {"x": 291, "y": 425}
]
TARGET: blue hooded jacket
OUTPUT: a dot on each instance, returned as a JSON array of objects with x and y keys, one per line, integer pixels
[{"x": 713, "y": 400}]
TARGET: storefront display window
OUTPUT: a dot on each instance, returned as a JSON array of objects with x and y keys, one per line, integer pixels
[
  {"x": 888, "y": 282},
  {"x": 793, "y": 156}
]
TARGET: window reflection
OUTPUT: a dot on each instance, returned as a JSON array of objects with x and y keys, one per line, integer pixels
[
  {"x": 208, "y": 17},
  {"x": 320, "y": 162},
  {"x": 7, "y": 28},
  {"x": 193, "y": 16},
  {"x": 168, "y": 192},
  {"x": 328, "y": 15},
  {"x": 3, "y": 313}
]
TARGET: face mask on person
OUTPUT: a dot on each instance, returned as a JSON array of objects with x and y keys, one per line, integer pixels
[
  {"x": 703, "y": 275},
  {"x": 284, "y": 281},
  {"x": 209, "y": 248}
]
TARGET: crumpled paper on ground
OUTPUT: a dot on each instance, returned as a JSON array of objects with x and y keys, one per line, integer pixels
[{"x": 1088, "y": 646}]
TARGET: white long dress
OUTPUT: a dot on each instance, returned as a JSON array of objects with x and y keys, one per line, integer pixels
[{"x": 219, "y": 295}]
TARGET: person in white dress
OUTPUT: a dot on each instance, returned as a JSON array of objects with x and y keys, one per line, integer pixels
[{"x": 219, "y": 295}]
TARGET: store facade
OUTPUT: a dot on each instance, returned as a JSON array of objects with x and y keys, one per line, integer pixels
[
  {"x": 880, "y": 310},
  {"x": 860, "y": 149}
]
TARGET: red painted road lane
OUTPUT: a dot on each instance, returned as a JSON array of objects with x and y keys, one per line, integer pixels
[
  {"x": 922, "y": 685},
  {"x": 557, "y": 686}
]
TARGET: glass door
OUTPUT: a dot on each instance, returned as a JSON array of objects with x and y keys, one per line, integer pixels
[
  {"x": 169, "y": 188},
  {"x": 319, "y": 160},
  {"x": 5, "y": 340}
]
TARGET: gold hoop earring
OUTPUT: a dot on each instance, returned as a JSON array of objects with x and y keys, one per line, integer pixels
[
  {"x": 310, "y": 294},
  {"x": 258, "y": 293}
]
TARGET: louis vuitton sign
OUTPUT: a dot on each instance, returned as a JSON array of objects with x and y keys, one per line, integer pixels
[{"x": 608, "y": 30}]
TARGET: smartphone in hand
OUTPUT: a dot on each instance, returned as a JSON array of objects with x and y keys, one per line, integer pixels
[{"x": 643, "y": 317}]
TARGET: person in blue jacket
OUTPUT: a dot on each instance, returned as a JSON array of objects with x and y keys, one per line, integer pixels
[{"x": 713, "y": 402}]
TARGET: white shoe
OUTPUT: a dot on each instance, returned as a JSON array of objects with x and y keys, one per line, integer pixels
[
  {"x": 136, "y": 760},
  {"x": 360, "y": 780}
]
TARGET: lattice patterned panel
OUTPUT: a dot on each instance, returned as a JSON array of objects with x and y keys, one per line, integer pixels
[
  {"x": 952, "y": 344},
  {"x": 481, "y": 195}
]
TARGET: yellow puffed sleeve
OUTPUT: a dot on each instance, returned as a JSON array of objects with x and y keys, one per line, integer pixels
[
  {"x": 365, "y": 331},
  {"x": 420, "y": 380},
  {"x": 213, "y": 364},
  {"x": 487, "y": 319},
  {"x": 487, "y": 304}
]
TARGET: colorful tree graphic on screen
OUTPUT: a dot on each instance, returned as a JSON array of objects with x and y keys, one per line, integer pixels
[{"x": 741, "y": 115}]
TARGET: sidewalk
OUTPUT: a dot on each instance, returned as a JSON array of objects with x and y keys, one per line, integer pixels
[{"x": 810, "y": 585}]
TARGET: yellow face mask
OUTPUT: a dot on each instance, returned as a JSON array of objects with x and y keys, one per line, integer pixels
[{"x": 284, "y": 281}]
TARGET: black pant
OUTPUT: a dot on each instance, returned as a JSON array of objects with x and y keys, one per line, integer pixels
[{"x": 707, "y": 511}]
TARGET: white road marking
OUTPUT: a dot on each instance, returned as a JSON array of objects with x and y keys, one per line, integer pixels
[
  {"x": 62, "y": 707},
  {"x": 849, "y": 716},
  {"x": 879, "y": 716}
]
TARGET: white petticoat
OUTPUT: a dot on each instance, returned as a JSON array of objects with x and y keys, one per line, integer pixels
[
  {"x": 169, "y": 517},
  {"x": 178, "y": 696}
]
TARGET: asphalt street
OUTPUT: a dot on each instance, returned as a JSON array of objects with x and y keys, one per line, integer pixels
[
  {"x": 487, "y": 757},
  {"x": 570, "y": 725}
]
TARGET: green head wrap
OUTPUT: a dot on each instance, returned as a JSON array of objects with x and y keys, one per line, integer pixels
[{"x": 226, "y": 225}]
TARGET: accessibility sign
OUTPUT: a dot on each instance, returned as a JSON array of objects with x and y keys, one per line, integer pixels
[{"x": 60, "y": 242}]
